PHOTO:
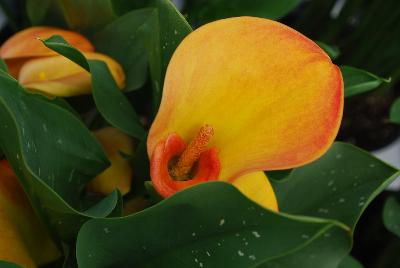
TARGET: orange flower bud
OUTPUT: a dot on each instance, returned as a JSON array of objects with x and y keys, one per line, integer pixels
[
  {"x": 25, "y": 44},
  {"x": 58, "y": 76},
  {"x": 119, "y": 174}
]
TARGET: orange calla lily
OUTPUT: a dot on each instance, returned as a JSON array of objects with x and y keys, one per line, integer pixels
[
  {"x": 23, "y": 238},
  {"x": 58, "y": 76},
  {"x": 242, "y": 95},
  {"x": 119, "y": 174},
  {"x": 25, "y": 45}
]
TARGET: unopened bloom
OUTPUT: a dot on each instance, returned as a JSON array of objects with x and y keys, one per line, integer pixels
[
  {"x": 119, "y": 174},
  {"x": 41, "y": 69},
  {"x": 240, "y": 96}
]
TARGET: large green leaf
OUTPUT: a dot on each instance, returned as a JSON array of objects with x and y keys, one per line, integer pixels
[
  {"x": 202, "y": 11},
  {"x": 110, "y": 101},
  {"x": 391, "y": 215},
  {"x": 53, "y": 155},
  {"x": 123, "y": 40},
  {"x": 210, "y": 225},
  {"x": 167, "y": 29},
  {"x": 395, "y": 111},
  {"x": 357, "y": 81},
  {"x": 124, "y": 6},
  {"x": 185, "y": 229},
  {"x": 339, "y": 185},
  {"x": 144, "y": 37}
]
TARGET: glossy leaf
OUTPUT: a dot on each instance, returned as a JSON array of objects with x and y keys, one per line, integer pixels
[
  {"x": 110, "y": 101},
  {"x": 391, "y": 215},
  {"x": 332, "y": 51},
  {"x": 201, "y": 12},
  {"x": 127, "y": 33},
  {"x": 339, "y": 185},
  {"x": 395, "y": 111},
  {"x": 53, "y": 155},
  {"x": 167, "y": 29},
  {"x": 357, "y": 81},
  {"x": 124, "y": 6},
  {"x": 212, "y": 225}
]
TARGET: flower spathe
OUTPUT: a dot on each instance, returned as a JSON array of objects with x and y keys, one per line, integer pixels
[
  {"x": 273, "y": 98},
  {"x": 41, "y": 69}
]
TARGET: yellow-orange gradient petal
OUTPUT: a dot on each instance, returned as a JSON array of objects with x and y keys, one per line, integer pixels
[
  {"x": 25, "y": 44},
  {"x": 257, "y": 188},
  {"x": 272, "y": 96},
  {"x": 58, "y": 76},
  {"x": 119, "y": 174},
  {"x": 23, "y": 238}
]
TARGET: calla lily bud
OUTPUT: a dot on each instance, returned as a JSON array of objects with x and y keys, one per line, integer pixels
[
  {"x": 119, "y": 174},
  {"x": 25, "y": 45},
  {"x": 58, "y": 76},
  {"x": 24, "y": 240}
]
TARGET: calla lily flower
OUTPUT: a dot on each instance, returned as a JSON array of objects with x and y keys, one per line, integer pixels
[
  {"x": 24, "y": 240},
  {"x": 41, "y": 69},
  {"x": 119, "y": 174},
  {"x": 243, "y": 95}
]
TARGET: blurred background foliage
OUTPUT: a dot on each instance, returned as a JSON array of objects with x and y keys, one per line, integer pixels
[{"x": 360, "y": 33}]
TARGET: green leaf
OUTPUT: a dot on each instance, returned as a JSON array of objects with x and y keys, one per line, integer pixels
[
  {"x": 110, "y": 101},
  {"x": 124, "y": 6},
  {"x": 167, "y": 29},
  {"x": 357, "y": 81},
  {"x": 395, "y": 111},
  {"x": 54, "y": 156},
  {"x": 332, "y": 51},
  {"x": 201, "y": 12},
  {"x": 391, "y": 215},
  {"x": 123, "y": 40},
  {"x": 339, "y": 185},
  {"x": 210, "y": 225},
  {"x": 350, "y": 262},
  {"x": 145, "y": 37}
]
